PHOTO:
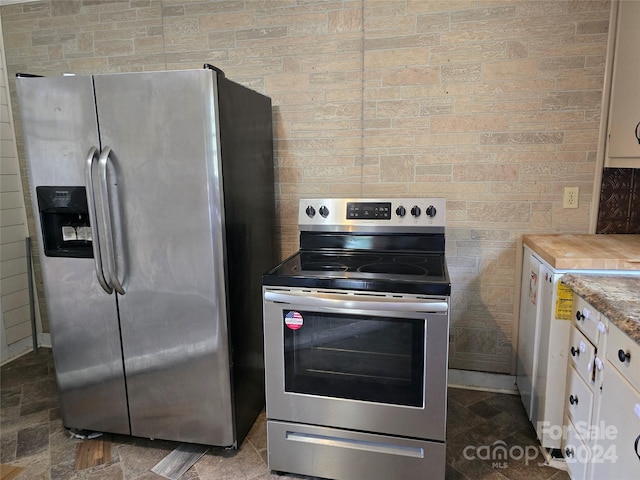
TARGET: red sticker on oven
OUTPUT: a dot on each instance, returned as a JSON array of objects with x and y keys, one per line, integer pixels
[{"x": 293, "y": 320}]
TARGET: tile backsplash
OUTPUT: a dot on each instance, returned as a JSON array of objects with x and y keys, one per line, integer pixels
[{"x": 619, "y": 210}]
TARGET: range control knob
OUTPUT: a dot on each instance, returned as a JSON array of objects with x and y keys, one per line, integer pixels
[
  {"x": 431, "y": 211},
  {"x": 415, "y": 211},
  {"x": 401, "y": 211},
  {"x": 310, "y": 211},
  {"x": 324, "y": 211}
]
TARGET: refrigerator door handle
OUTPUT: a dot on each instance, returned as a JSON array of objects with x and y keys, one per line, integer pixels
[
  {"x": 108, "y": 220},
  {"x": 91, "y": 204}
]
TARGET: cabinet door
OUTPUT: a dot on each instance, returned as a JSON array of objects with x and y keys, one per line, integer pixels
[
  {"x": 623, "y": 140},
  {"x": 624, "y": 354},
  {"x": 618, "y": 448}
]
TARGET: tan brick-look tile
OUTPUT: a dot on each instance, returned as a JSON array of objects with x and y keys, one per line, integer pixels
[{"x": 493, "y": 105}]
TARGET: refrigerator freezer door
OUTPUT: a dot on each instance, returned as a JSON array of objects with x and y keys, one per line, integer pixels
[
  {"x": 59, "y": 126},
  {"x": 164, "y": 183}
]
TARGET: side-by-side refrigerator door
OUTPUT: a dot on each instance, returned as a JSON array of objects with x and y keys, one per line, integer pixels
[
  {"x": 59, "y": 128},
  {"x": 162, "y": 162}
]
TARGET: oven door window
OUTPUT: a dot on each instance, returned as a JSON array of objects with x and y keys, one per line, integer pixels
[{"x": 376, "y": 359}]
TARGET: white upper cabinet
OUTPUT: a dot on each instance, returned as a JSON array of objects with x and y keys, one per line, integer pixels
[{"x": 623, "y": 132}]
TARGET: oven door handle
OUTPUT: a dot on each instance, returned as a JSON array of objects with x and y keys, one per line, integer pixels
[{"x": 383, "y": 304}]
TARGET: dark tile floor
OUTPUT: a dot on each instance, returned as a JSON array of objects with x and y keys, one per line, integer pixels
[{"x": 32, "y": 436}]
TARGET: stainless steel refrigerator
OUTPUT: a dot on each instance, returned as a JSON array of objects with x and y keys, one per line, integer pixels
[{"x": 153, "y": 195}]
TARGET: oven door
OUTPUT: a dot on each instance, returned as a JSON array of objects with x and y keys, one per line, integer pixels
[{"x": 370, "y": 362}]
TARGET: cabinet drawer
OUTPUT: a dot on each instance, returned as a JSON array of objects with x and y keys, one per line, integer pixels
[
  {"x": 579, "y": 399},
  {"x": 335, "y": 453},
  {"x": 575, "y": 451},
  {"x": 586, "y": 318},
  {"x": 624, "y": 354},
  {"x": 581, "y": 354}
]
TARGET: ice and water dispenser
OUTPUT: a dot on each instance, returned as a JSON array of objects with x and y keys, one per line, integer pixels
[{"x": 64, "y": 217}]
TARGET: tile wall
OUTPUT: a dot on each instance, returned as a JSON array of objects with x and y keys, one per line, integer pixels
[
  {"x": 493, "y": 104},
  {"x": 15, "y": 310}
]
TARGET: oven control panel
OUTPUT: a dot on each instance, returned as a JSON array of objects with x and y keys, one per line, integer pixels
[
  {"x": 368, "y": 210},
  {"x": 393, "y": 214}
]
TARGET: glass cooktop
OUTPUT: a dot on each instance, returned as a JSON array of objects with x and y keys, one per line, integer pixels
[
  {"x": 380, "y": 271},
  {"x": 384, "y": 263}
]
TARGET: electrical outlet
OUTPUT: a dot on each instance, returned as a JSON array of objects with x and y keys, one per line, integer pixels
[{"x": 570, "y": 198}]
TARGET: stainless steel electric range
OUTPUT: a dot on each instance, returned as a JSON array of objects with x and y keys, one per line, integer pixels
[{"x": 356, "y": 339}]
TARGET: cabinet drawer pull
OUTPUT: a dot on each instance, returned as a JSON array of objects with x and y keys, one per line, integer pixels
[
  {"x": 568, "y": 452},
  {"x": 624, "y": 356},
  {"x": 575, "y": 352},
  {"x": 573, "y": 400},
  {"x": 579, "y": 316},
  {"x": 635, "y": 446}
]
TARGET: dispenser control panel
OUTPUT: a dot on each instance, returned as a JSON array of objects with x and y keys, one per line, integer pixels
[{"x": 64, "y": 219}]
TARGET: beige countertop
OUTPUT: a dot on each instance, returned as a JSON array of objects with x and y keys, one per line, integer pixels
[
  {"x": 616, "y": 296},
  {"x": 587, "y": 252}
]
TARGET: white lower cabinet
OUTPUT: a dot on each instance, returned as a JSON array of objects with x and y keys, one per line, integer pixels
[
  {"x": 618, "y": 456},
  {"x": 601, "y": 438}
]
